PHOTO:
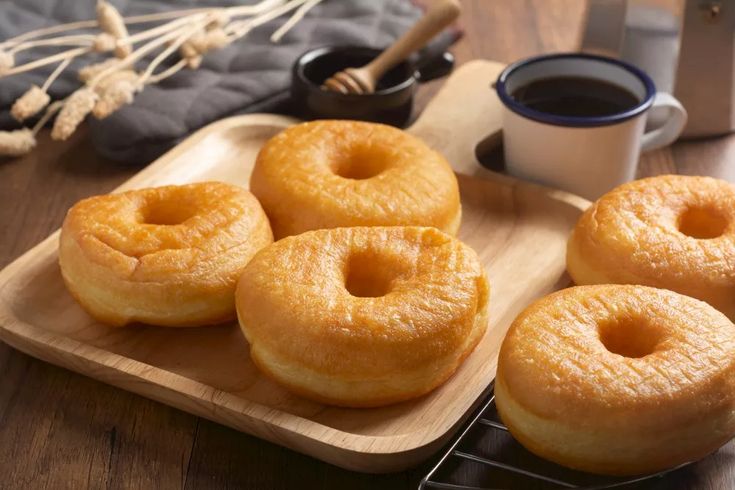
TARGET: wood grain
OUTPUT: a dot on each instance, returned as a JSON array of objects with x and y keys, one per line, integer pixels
[
  {"x": 115, "y": 439},
  {"x": 518, "y": 229}
]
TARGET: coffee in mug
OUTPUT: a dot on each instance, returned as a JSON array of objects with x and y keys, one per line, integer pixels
[
  {"x": 575, "y": 96},
  {"x": 577, "y": 121}
]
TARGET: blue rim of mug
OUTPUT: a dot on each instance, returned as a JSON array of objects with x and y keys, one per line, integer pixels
[{"x": 575, "y": 121}]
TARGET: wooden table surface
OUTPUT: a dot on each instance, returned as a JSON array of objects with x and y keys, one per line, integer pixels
[{"x": 62, "y": 430}]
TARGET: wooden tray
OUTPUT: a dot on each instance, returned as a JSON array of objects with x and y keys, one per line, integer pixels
[{"x": 519, "y": 230}]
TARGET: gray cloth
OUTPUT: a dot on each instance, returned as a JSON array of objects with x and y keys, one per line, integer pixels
[{"x": 252, "y": 75}]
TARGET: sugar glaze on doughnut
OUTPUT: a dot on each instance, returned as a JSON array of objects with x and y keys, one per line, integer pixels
[
  {"x": 328, "y": 174},
  {"x": 364, "y": 316},
  {"x": 674, "y": 232},
  {"x": 618, "y": 379},
  {"x": 167, "y": 256}
]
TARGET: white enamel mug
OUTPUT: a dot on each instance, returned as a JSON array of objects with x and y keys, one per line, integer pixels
[{"x": 587, "y": 156}]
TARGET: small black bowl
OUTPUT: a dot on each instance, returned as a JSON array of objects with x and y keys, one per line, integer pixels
[{"x": 392, "y": 101}]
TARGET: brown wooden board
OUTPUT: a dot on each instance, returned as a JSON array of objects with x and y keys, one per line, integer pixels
[{"x": 518, "y": 229}]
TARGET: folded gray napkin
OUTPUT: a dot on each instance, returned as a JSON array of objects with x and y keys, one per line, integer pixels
[{"x": 252, "y": 75}]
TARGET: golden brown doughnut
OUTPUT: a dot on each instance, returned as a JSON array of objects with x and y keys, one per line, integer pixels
[
  {"x": 328, "y": 174},
  {"x": 165, "y": 256},
  {"x": 673, "y": 232},
  {"x": 618, "y": 379},
  {"x": 364, "y": 316}
]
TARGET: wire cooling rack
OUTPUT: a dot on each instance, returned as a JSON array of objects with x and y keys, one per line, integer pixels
[{"x": 488, "y": 455}]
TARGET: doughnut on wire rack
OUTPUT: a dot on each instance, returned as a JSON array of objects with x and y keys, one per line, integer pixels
[{"x": 491, "y": 459}]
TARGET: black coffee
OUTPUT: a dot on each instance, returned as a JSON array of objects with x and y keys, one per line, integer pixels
[{"x": 575, "y": 96}]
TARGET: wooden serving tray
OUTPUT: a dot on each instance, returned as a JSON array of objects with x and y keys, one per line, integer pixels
[{"x": 518, "y": 229}]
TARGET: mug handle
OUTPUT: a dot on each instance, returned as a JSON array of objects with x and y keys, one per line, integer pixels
[{"x": 671, "y": 129}]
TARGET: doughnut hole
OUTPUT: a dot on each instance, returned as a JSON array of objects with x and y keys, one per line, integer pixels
[
  {"x": 166, "y": 212},
  {"x": 702, "y": 223},
  {"x": 629, "y": 336},
  {"x": 369, "y": 275},
  {"x": 360, "y": 162}
]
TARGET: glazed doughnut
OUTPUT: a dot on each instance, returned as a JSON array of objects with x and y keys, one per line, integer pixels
[
  {"x": 166, "y": 256},
  {"x": 618, "y": 379},
  {"x": 673, "y": 232},
  {"x": 365, "y": 316},
  {"x": 328, "y": 174}
]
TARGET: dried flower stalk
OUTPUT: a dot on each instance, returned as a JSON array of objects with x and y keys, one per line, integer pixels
[
  {"x": 162, "y": 29},
  {"x": 238, "y": 11},
  {"x": 112, "y": 83},
  {"x": 22, "y": 141},
  {"x": 117, "y": 95},
  {"x": 113, "y": 24},
  {"x": 295, "y": 18},
  {"x": 203, "y": 42},
  {"x": 7, "y": 61},
  {"x": 76, "y": 40},
  {"x": 30, "y": 103},
  {"x": 114, "y": 92},
  {"x": 90, "y": 71},
  {"x": 36, "y": 98},
  {"x": 126, "y": 75},
  {"x": 104, "y": 42},
  {"x": 218, "y": 19},
  {"x": 172, "y": 45},
  {"x": 172, "y": 70},
  {"x": 242, "y": 28},
  {"x": 75, "y": 109},
  {"x": 64, "y": 55},
  {"x": 193, "y": 62},
  {"x": 138, "y": 54},
  {"x": 17, "y": 143}
]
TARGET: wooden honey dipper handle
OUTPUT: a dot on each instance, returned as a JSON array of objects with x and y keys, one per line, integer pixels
[{"x": 440, "y": 14}]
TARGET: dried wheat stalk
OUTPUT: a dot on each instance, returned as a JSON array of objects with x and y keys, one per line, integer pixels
[{"x": 110, "y": 84}]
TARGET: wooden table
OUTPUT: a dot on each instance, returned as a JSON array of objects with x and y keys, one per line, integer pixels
[{"x": 62, "y": 430}]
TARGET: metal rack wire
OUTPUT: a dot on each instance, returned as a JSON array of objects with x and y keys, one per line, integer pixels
[{"x": 515, "y": 467}]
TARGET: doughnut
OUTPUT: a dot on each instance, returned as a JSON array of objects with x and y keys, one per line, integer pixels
[
  {"x": 166, "y": 256},
  {"x": 330, "y": 174},
  {"x": 618, "y": 379},
  {"x": 363, "y": 316},
  {"x": 673, "y": 232}
]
